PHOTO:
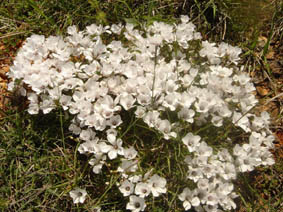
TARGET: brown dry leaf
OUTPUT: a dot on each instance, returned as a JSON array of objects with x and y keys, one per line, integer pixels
[
  {"x": 3, "y": 86},
  {"x": 275, "y": 112},
  {"x": 270, "y": 55},
  {"x": 263, "y": 91},
  {"x": 262, "y": 41},
  {"x": 2, "y": 47},
  {"x": 280, "y": 137},
  {"x": 3, "y": 71},
  {"x": 5, "y": 68},
  {"x": 276, "y": 67},
  {"x": 3, "y": 93}
]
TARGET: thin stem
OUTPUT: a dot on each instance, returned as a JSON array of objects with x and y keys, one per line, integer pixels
[
  {"x": 153, "y": 84},
  {"x": 62, "y": 130}
]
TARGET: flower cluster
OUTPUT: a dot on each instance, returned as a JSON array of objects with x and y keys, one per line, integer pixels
[
  {"x": 138, "y": 188},
  {"x": 150, "y": 71}
]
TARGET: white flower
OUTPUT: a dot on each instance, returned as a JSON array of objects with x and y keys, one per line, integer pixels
[
  {"x": 112, "y": 132},
  {"x": 128, "y": 166},
  {"x": 262, "y": 121},
  {"x": 241, "y": 121},
  {"x": 224, "y": 155},
  {"x": 33, "y": 108},
  {"x": 266, "y": 158},
  {"x": 209, "y": 170},
  {"x": 229, "y": 171},
  {"x": 186, "y": 99},
  {"x": 97, "y": 168},
  {"x": 72, "y": 30},
  {"x": 97, "y": 209},
  {"x": 65, "y": 101},
  {"x": 126, "y": 188},
  {"x": 130, "y": 153},
  {"x": 157, "y": 185},
  {"x": 165, "y": 127},
  {"x": 136, "y": 204},
  {"x": 135, "y": 178},
  {"x": 127, "y": 101},
  {"x": 140, "y": 112},
  {"x": 151, "y": 118},
  {"x": 96, "y": 121},
  {"x": 245, "y": 163},
  {"x": 144, "y": 99},
  {"x": 187, "y": 80},
  {"x": 204, "y": 150},
  {"x": 103, "y": 147},
  {"x": 171, "y": 101},
  {"x": 185, "y": 19},
  {"x": 224, "y": 189},
  {"x": 227, "y": 202},
  {"x": 210, "y": 51},
  {"x": 217, "y": 121},
  {"x": 191, "y": 141},
  {"x": 97, "y": 163},
  {"x": 75, "y": 129},
  {"x": 78, "y": 195},
  {"x": 116, "y": 147},
  {"x": 203, "y": 184},
  {"x": 142, "y": 189},
  {"x": 131, "y": 86},
  {"x": 202, "y": 106},
  {"x": 186, "y": 114},
  {"x": 242, "y": 78},
  {"x": 47, "y": 105},
  {"x": 115, "y": 121},
  {"x": 189, "y": 198},
  {"x": 94, "y": 29},
  {"x": 87, "y": 135},
  {"x": 211, "y": 198},
  {"x": 195, "y": 174},
  {"x": 211, "y": 208}
]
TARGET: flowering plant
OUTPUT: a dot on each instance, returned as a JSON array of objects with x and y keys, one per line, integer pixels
[{"x": 134, "y": 89}]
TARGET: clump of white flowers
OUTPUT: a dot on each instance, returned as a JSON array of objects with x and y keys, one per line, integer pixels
[{"x": 150, "y": 71}]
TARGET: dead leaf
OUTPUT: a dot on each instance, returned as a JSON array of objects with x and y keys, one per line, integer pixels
[
  {"x": 2, "y": 47},
  {"x": 3, "y": 71},
  {"x": 262, "y": 90},
  {"x": 270, "y": 55},
  {"x": 276, "y": 67},
  {"x": 280, "y": 137},
  {"x": 261, "y": 41}
]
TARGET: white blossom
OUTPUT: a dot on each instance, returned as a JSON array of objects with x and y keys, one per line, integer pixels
[
  {"x": 157, "y": 185},
  {"x": 126, "y": 188},
  {"x": 142, "y": 189},
  {"x": 136, "y": 204},
  {"x": 78, "y": 195}
]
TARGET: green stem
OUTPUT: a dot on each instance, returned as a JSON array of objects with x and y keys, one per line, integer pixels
[{"x": 62, "y": 130}]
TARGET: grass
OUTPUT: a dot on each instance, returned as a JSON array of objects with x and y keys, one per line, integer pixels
[{"x": 39, "y": 162}]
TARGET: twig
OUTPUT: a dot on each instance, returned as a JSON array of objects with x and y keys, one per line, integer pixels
[
  {"x": 277, "y": 96},
  {"x": 12, "y": 34},
  {"x": 224, "y": 30}
]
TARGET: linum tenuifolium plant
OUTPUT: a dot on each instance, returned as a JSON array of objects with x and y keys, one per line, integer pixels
[{"x": 131, "y": 88}]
